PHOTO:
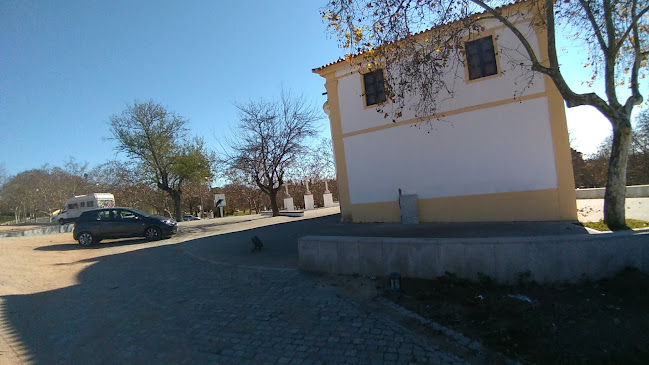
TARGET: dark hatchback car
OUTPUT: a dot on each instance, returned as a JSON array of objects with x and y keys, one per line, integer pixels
[{"x": 95, "y": 225}]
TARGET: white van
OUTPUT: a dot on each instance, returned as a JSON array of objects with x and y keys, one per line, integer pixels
[{"x": 73, "y": 207}]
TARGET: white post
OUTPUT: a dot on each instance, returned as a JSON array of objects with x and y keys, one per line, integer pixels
[
  {"x": 288, "y": 201},
  {"x": 308, "y": 197}
]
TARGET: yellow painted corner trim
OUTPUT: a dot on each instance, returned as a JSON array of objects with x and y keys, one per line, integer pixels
[
  {"x": 567, "y": 198},
  {"x": 339, "y": 149}
]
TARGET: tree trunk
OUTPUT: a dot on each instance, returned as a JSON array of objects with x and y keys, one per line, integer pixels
[
  {"x": 175, "y": 196},
  {"x": 273, "y": 201},
  {"x": 614, "y": 198}
]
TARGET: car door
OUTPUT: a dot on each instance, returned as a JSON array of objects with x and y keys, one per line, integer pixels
[
  {"x": 110, "y": 228},
  {"x": 90, "y": 222},
  {"x": 130, "y": 223}
]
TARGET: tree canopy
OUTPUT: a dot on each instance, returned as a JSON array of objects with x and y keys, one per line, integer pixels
[
  {"x": 269, "y": 138},
  {"x": 157, "y": 139}
]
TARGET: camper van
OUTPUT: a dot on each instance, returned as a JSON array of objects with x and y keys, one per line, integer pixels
[{"x": 73, "y": 207}]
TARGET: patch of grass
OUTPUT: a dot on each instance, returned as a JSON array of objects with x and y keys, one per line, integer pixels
[{"x": 601, "y": 226}]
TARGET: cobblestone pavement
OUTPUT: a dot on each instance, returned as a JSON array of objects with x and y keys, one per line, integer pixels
[{"x": 149, "y": 303}]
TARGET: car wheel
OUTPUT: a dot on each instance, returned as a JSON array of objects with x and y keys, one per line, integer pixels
[
  {"x": 153, "y": 234},
  {"x": 61, "y": 221},
  {"x": 86, "y": 239}
]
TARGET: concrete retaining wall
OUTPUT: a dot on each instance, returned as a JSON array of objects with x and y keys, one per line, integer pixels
[
  {"x": 548, "y": 259},
  {"x": 66, "y": 228},
  {"x": 635, "y": 191}
]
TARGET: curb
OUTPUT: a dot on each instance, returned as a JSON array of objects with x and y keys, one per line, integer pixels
[
  {"x": 66, "y": 228},
  {"x": 454, "y": 336}
]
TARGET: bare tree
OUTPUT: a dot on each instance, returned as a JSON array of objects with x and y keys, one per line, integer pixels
[
  {"x": 269, "y": 137},
  {"x": 199, "y": 197},
  {"x": 3, "y": 174},
  {"x": 316, "y": 164},
  {"x": 129, "y": 186},
  {"x": 614, "y": 34},
  {"x": 39, "y": 192},
  {"x": 639, "y": 159},
  {"x": 27, "y": 194},
  {"x": 157, "y": 139},
  {"x": 242, "y": 193}
]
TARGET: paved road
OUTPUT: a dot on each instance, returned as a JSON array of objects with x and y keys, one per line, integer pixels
[{"x": 138, "y": 302}]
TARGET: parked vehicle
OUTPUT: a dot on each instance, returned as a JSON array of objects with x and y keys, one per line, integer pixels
[
  {"x": 73, "y": 207},
  {"x": 188, "y": 217},
  {"x": 95, "y": 225}
]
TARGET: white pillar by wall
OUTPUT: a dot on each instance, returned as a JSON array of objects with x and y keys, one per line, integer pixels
[
  {"x": 308, "y": 202},
  {"x": 328, "y": 200}
]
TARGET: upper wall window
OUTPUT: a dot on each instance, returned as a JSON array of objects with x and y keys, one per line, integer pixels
[
  {"x": 481, "y": 58},
  {"x": 374, "y": 87}
]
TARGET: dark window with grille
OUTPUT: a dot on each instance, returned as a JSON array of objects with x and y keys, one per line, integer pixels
[
  {"x": 374, "y": 87},
  {"x": 481, "y": 58}
]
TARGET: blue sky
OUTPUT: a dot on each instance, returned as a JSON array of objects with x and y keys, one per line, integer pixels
[{"x": 66, "y": 67}]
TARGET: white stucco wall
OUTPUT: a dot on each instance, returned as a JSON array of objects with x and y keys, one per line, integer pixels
[
  {"x": 513, "y": 82},
  {"x": 502, "y": 149}
]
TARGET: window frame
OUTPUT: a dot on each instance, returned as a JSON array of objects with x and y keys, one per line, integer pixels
[
  {"x": 494, "y": 48},
  {"x": 364, "y": 88}
]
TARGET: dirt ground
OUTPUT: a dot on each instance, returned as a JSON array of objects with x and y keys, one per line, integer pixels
[
  {"x": 30, "y": 265},
  {"x": 592, "y": 210},
  {"x": 605, "y": 322},
  {"x": 27, "y": 270},
  {"x": 31, "y": 270}
]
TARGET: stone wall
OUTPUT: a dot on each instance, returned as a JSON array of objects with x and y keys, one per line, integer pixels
[
  {"x": 636, "y": 191},
  {"x": 548, "y": 259}
]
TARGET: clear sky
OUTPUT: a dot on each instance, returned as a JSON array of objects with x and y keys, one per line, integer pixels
[{"x": 67, "y": 66}]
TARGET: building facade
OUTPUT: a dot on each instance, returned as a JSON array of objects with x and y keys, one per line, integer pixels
[{"x": 493, "y": 151}]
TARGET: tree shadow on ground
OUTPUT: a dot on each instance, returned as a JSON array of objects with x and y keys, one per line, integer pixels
[{"x": 141, "y": 306}]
